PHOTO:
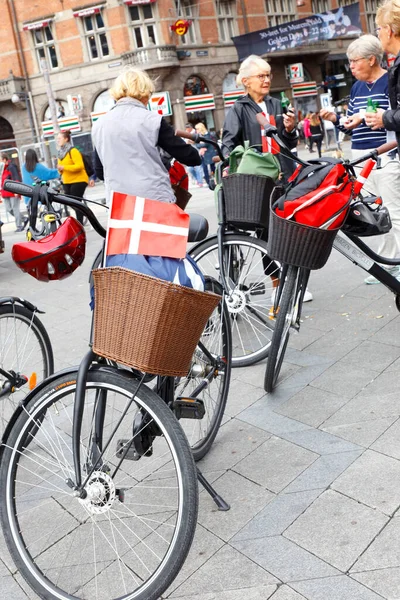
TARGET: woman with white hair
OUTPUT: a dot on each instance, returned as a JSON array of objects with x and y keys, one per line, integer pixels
[
  {"x": 241, "y": 124},
  {"x": 365, "y": 57}
]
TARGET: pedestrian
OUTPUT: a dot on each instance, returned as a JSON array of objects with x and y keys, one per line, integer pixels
[
  {"x": 11, "y": 200},
  {"x": 72, "y": 169},
  {"x": 207, "y": 151},
  {"x": 365, "y": 56},
  {"x": 307, "y": 132},
  {"x": 317, "y": 132},
  {"x": 33, "y": 171},
  {"x": 196, "y": 172}
]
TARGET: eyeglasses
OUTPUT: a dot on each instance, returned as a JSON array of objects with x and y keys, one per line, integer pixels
[
  {"x": 377, "y": 30},
  {"x": 263, "y": 76},
  {"x": 356, "y": 60}
]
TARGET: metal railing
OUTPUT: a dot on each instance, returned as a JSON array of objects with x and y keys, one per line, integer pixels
[{"x": 152, "y": 56}]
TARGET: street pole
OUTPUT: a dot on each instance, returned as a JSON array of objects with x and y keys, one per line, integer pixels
[
  {"x": 50, "y": 95},
  {"x": 244, "y": 13}
]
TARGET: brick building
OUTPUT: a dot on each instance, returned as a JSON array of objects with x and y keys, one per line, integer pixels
[{"x": 86, "y": 43}]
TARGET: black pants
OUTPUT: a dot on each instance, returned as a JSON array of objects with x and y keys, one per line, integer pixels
[{"x": 76, "y": 189}]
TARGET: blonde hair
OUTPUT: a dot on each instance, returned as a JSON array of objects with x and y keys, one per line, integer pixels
[
  {"x": 315, "y": 120},
  {"x": 133, "y": 83},
  {"x": 201, "y": 128},
  {"x": 388, "y": 13},
  {"x": 247, "y": 67}
]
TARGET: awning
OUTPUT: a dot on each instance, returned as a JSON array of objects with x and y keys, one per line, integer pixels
[
  {"x": 89, "y": 10},
  {"x": 37, "y": 24},
  {"x": 307, "y": 88},
  {"x": 231, "y": 97},
  {"x": 66, "y": 123},
  {"x": 201, "y": 102},
  {"x": 133, "y": 2}
]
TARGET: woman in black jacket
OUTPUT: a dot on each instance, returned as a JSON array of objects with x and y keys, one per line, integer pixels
[
  {"x": 388, "y": 31},
  {"x": 241, "y": 123}
]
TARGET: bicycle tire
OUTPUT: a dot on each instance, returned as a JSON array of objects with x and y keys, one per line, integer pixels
[
  {"x": 25, "y": 348},
  {"x": 281, "y": 334},
  {"x": 101, "y": 542},
  {"x": 251, "y": 325},
  {"x": 216, "y": 338}
]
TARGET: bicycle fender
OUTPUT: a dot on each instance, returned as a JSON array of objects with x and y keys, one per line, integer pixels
[{"x": 22, "y": 301}]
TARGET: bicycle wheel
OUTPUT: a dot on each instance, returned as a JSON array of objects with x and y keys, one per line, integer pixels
[
  {"x": 249, "y": 301},
  {"x": 212, "y": 357},
  {"x": 286, "y": 317},
  {"x": 25, "y": 348},
  {"x": 128, "y": 538}
]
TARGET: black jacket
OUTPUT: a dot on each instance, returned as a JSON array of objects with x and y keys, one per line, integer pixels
[
  {"x": 241, "y": 125},
  {"x": 391, "y": 118}
]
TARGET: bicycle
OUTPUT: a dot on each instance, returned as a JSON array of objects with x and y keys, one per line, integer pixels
[
  {"x": 104, "y": 456},
  {"x": 293, "y": 281},
  {"x": 239, "y": 260},
  {"x": 26, "y": 355}
]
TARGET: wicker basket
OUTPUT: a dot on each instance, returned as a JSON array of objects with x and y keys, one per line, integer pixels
[
  {"x": 147, "y": 323},
  {"x": 246, "y": 200},
  {"x": 296, "y": 244}
]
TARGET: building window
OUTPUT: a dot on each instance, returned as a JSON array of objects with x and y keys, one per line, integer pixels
[
  {"x": 370, "y": 13},
  {"x": 44, "y": 46},
  {"x": 96, "y": 39},
  {"x": 280, "y": 11},
  {"x": 185, "y": 10},
  {"x": 143, "y": 25},
  {"x": 320, "y": 6},
  {"x": 226, "y": 19}
]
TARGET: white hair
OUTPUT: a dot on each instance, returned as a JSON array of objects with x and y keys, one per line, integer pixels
[
  {"x": 248, "y": 65},
  {"x": 365, "y": 46}
]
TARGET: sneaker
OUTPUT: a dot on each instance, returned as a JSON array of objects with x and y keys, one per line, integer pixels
[
  {"x": 307, "y": 296},
  {"x": 19, "y": 229},
  {"x": 371, "y": 280}
]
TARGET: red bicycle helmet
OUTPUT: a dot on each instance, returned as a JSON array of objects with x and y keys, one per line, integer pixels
[{"x": 55, "y": 256}]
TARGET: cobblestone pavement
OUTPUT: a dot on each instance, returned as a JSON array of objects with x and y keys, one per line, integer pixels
[{"x": 312, "y": 471}]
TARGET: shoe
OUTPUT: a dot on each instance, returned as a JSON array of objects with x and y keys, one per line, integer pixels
[
  {"x": 19, "y": 229},
  {"x": 25, "y": 223},
  {"x": 371, "y": 280},
  {"x": 307, "y": 296}
]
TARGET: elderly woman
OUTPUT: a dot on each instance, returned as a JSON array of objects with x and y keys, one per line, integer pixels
[
  {"x": 127, "y": 141},
  {"x": 365, "y": 56},
  {"x": 241, "y": 124}
]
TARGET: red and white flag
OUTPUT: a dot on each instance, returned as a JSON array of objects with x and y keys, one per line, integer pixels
[
  {"x": 268, "y": 144},
  {"x": 141, "y": 226}
]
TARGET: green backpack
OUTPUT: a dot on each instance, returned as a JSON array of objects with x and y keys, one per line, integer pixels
[{"x": 246, "y": 160}]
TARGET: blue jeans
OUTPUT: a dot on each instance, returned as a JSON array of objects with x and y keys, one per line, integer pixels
[{"x": 196, "y": 173}]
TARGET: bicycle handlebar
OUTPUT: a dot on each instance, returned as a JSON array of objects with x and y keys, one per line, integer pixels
[
  {"x": 16, "y": 187},
  {"x": 197, "y": 138}
]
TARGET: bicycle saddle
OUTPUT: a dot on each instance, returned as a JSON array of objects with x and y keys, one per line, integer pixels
[{"x": 198, "y": 228}]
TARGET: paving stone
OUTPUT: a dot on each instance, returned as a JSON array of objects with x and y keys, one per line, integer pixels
[
  {"x": 241, "y": 395},
  {"x": 334, "y": 345},
  {"x": 235, "y": 440},
  {"x": 254, "y": 593},
  {"x": 278, "y": 515},
  {"x": 305, "y": 337},
  {"x": 382, "y": 581},
  {"x": 11, "y": 590},
  {"x": 310, "y": 406},
  {"x": 324, "y": 320},
  {"x": 342, "y": 587},
  {"x": 305, "y": 359},
  {"x": 286, "y": 593},
  {"x": 228, "y": 569},
  {"x": 384, "y": 551},
  {"x": 280, "y": 395},
  {"x": 284, "y": 559},
  {"x": 3, "y": 569},
  {"x": 344, "y": 380},
  {"x": 373, "y": 479},
  {"x": 305, "y": 375},
  {"x": 389, "y": 442},
  {"x": 362, "y": 434},
  {"x": 347, "y": 303},
  {"x": 320, "y": 441},
  {"x": 366, "y": 407},
  {"x": 253, "y": 374},
  {"x": 372, "y": 355},
  {"x": 245, "y": 498},
  {"x": 390, "y": 334},
  {"x": 261, "y": 415},
  {"x": 275, "y": 464},
  {"x": 323, "y": 471},
  {"x": 336, "y": 528}
]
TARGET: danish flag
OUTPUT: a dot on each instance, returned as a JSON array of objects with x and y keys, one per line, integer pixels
[
  {"x": 268, "y": 144},
  {"x": 141, "y": 226}
]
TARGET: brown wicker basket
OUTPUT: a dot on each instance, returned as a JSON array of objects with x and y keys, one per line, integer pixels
[
  {"x": 296, "y": 244},
  {"x": 147, "y": 323}
]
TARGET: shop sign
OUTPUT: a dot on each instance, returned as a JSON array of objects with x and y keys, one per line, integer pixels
[
  {"x": 231, "y": 97},
  {"x": 116, "y": 63},
  {"x": 308, "y": 88},
  {"x": 296, "y": 73},
  {"x": 87, "y": 12},
  {"x": 181, "y": 26},
  {"x": 37, "y": 25},
  {"x": 160, "y": 103},
  {"x": 66, "y": 123},
  {"x": 201, "y": 52},
  {"x": 75, "y": 103},
  {"x": 96, "y": 115},
  {"x": 202, "y": 102},
  {"x": 133, "y": 2}
]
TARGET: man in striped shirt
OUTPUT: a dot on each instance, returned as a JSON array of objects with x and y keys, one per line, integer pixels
[{"x": 365, "y": 57}]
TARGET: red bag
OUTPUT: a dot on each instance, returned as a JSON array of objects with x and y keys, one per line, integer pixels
[
  {"x": 178, "y": 175},
  {"x": 319, "y": 196}
]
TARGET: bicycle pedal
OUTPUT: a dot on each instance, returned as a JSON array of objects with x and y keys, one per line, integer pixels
[
  {"x": 188, "y": 408},
  {"x": 257, "y": 290},
  {"x": 126, "y": 453}
]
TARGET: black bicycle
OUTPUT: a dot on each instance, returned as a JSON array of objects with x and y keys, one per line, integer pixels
[
  {"x": 104, "y": 458},
  {"x": 288, "y": 303}
]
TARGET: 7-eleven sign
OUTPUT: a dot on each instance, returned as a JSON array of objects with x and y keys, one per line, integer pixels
[
  {"x": 160, "y": 103},
  {"x": 296, "y": 73}
]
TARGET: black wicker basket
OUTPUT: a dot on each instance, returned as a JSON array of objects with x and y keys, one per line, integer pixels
[
  {"x": 246, "y": 200},
  {"x": 299, "y": 245}
]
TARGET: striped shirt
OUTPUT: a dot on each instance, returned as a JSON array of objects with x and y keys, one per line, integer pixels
[{"x": 362, "y": 137}]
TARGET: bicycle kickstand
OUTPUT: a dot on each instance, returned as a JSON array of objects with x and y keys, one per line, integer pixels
[{"x": 219, "y": 501}]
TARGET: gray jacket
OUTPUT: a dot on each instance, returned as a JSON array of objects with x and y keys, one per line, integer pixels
[{"x": 126, "y": 141}]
